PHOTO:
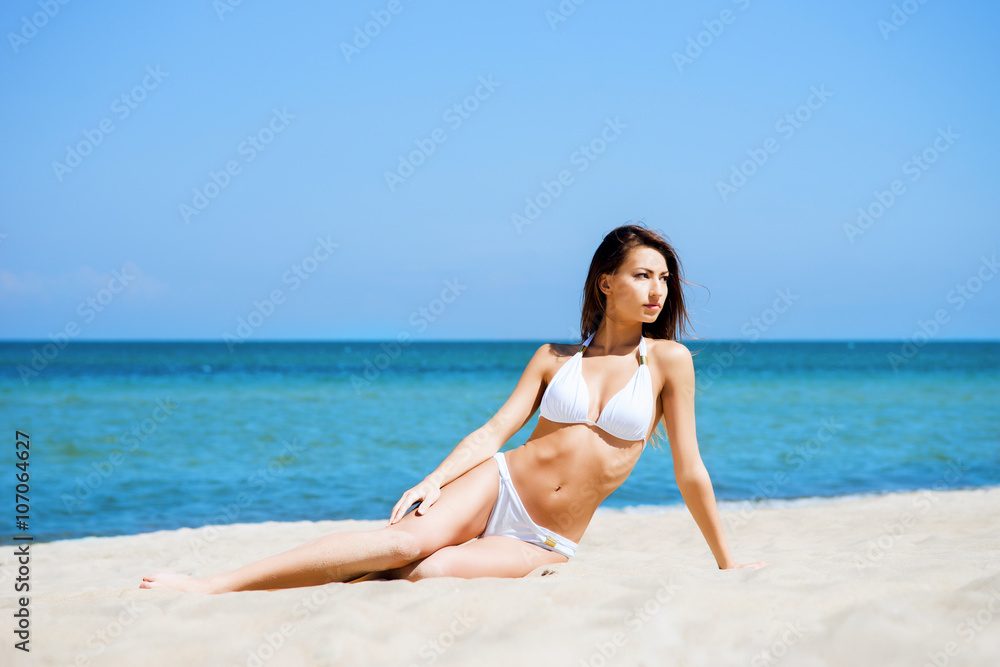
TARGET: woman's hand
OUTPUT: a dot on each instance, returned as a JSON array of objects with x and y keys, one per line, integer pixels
[
  {"x": 748, "y": 566},
  {"x": 425, "y": 491}
]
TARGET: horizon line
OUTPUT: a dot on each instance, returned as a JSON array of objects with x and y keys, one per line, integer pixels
[{"x": 222, "y": 341}]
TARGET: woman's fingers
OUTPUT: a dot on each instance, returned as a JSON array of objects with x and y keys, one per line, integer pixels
[
  {"x": 394, "y": 517},
  {"x": 429, "y": 499},
  {"x": 425, "y": 493},
  {"x": 752, "y": 566},
  {"x": 409, "y": 497}
]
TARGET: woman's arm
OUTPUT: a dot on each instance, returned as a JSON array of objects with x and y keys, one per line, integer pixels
[
  {"x": 470, "y": 452},
  {"x": 677, "y": 402},
  {"x": 696, "y": 488},
  {"x": 485, "y": 441},
  {"x": 473, "y": 449}
]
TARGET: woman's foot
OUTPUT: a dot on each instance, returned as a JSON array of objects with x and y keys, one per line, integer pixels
[{"x": 179, "y": 582}]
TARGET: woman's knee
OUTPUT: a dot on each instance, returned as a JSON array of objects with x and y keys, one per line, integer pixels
[{"x": 406, "y": 546}]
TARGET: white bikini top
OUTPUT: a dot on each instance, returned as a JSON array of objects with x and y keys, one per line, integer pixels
[{"x": 627, "y": 415}]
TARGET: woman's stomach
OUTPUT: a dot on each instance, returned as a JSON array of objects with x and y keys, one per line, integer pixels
[{"x": 565, "y": 471}]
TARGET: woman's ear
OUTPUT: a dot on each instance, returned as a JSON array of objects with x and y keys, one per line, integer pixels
[{"x": 604, "y": 283}]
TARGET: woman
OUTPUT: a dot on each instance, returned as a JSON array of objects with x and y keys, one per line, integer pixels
[{"x": 483, "y": 513}]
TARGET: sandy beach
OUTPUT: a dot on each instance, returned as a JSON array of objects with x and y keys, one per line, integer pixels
[{"x": 898, "y": 579}]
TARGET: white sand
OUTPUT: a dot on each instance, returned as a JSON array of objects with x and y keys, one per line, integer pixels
[{"x": 901, "y": 579}]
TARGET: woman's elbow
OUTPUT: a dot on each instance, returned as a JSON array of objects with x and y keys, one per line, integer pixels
[{"x": 694, "y": 474}]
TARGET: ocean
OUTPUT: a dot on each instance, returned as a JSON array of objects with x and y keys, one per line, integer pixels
[{"x": 132, "y": 437}]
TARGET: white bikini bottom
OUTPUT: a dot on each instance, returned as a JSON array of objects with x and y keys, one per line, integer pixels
[{"x": 510, "y": 519}]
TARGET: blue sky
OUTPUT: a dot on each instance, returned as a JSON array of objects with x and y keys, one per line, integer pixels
[{"x": 173, "y": 169}]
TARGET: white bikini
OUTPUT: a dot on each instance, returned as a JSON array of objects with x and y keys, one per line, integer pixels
[
  {"x": 627, "y": 414},
  {"x": 567, "y": 400}
]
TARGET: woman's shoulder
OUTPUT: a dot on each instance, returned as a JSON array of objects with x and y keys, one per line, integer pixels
[
  {"x": 552, "y": 354},
  {"x": 672, "y": 360},
  {"x": 668, "y": 353},
  {"x": 558, "y": 350},
  {"x": 549, "y": 358}
]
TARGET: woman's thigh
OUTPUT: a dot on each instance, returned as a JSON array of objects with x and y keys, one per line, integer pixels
[
  {"x": 491, "y": 556},
  {"x": 460, "y": 513}
]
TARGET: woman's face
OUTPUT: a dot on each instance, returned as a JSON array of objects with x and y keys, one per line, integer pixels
[{"x": 641, "y": 282}]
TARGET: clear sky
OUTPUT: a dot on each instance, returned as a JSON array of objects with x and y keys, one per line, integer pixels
[{"x": 171, "y": 169}]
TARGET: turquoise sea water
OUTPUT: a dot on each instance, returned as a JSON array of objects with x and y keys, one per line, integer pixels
[{"x": 135, "y": 437}]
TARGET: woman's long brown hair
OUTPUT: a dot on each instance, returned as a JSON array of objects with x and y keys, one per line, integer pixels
[{"x": 673, "y": 323}]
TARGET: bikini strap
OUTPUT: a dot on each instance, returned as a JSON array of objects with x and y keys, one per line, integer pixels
[{"x": 583, "y": 348}]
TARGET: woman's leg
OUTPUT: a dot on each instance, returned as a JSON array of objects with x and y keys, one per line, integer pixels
[
  {"x": 492, "y": 556},
  {"x": 459, "y": 515}
]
